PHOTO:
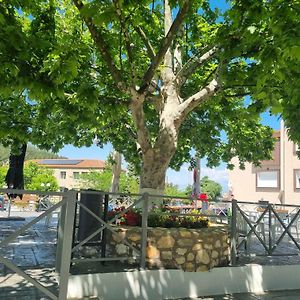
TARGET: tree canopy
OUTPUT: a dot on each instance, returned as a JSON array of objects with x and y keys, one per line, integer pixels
[
  {"x": 155, "y": 78},
  {"x": 211, "y": 188}
]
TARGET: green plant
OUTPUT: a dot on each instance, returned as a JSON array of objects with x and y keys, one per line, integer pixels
[
  {"x": 161, "y": 218},
  {"x": 39, "y": 178}
]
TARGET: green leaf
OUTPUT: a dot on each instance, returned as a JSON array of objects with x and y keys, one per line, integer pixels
[{"x": 295, "y": 52}]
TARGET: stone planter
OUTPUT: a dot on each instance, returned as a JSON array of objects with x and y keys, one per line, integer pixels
[{"x": 187, "y": 249}]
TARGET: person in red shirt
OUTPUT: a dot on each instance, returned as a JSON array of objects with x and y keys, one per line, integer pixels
[{"x": 204, "y": 199}]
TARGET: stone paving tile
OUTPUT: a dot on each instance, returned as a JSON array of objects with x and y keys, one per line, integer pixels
[
  {"x": 14, "y": 286},
  {"x": 32, "y": 250}
]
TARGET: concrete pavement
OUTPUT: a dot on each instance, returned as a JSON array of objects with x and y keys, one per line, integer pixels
[{"x": 274, "y": 295}]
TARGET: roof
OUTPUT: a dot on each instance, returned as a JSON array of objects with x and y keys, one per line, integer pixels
[{"x": 71, "y": 163}]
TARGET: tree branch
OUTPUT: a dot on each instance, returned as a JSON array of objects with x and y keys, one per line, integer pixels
[
  {"x": 193, "y": 64},
  {"x": 126, "y": 36},
  {"x": 103, "y": 48},
  {"x": 167, "y": 71},
  {"x": 165, "y": 44},
  {"x": 190, "y": 103},
  {"x": 146, "y": 41}
]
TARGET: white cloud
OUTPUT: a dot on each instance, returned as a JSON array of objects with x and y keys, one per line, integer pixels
[
  {"x": 185, "y": 177},
  {"x": 215, "y": 174}
]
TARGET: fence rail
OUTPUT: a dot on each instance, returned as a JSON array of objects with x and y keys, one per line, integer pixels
[
  {"x": 66, "y": 201},
  {"x": 269, "y": 225},
  {"x": 262, "y": 223},
  {"x": 65, "y": 247}
]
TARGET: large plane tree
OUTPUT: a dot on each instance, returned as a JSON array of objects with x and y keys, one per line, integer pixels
[{"x": 157, "y": 78}]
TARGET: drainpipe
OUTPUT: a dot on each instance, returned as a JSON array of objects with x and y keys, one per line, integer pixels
[
  {"x": 196, "y": 185},
  {"x": 282, "y": 163}
]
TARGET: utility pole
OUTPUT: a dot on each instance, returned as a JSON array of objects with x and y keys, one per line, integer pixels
[
  {"x": 196, "y": 187},
  {"x": 116, "y": 172}
]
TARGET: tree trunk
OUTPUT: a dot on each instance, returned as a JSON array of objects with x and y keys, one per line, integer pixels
[
  {"x": 155, "y": 165},
  {"x": 116, "y": 172},
  {"x": 14, "y": 177},
  {"x": 153, "y": 174}
]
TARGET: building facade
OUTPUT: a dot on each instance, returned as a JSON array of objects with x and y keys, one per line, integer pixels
[
  {"x": 276, "y": 180},
  {"x": 68, "y": 171}
]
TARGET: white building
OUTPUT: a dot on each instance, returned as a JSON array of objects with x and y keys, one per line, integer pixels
[
  {"x": 276, "y": 180},
  {"x": 68, "y": 171}
]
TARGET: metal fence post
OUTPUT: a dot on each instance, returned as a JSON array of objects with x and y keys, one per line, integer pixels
[
  {"x": 233, "y": 233},
  {"x": 270, "y": 229},
  {"x": 66, "y": 247},
  {"x": 60, "y": 236},
  {"x": 144, "y": 229}
]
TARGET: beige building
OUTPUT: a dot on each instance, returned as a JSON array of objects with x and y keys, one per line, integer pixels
[
  {"x": 68, "y": 171},
  {"x": 276, "y": 181}
]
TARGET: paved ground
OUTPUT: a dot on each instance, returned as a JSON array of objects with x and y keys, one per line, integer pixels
[
  {"x": 279, "y": 295},
  {"x": 34, "y": 252},
  {"x": 34, "y": 248}
]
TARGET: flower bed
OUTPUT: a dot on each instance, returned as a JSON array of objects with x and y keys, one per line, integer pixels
[
  {"x": 188, "y": 249},
  {"x": 185, "y": 242},
  {"x": 161, "y": 218}
]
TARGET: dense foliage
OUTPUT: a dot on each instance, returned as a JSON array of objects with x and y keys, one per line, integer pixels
[
  {"x": 155, "y": 78},
  {"x": 211, "y": 188}
]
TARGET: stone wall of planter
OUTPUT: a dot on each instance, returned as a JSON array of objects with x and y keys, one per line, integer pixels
[{"x": 191, "y": 250}]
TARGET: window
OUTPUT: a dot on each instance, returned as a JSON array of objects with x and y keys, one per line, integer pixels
[
  {"x": 268, "y": 179},
  {"x": 76, "y": 175},
  {"x": 297, "y": 179},
  {"x": 63, "y": 175}
]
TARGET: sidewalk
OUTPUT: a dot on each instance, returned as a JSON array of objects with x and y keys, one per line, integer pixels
[
  {"x": 34, "y": 252},
  {"x": 274, "y": 295}
]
